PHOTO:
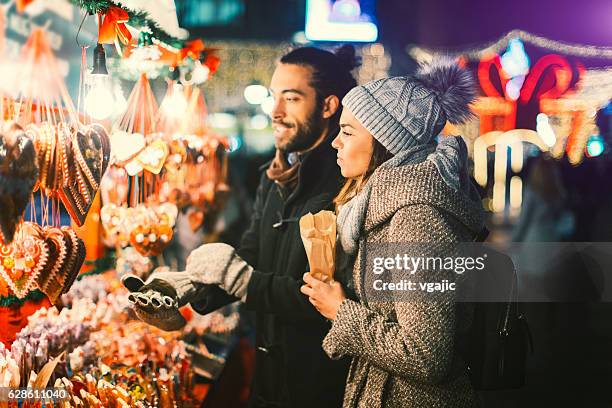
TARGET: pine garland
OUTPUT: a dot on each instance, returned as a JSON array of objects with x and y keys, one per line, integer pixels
[
  {"x": 138, "y": 19},
  {"x": 12, "y": 300},
  {"x": 100, "y": 265}
]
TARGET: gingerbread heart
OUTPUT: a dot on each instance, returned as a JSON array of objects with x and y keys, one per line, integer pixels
[
  {"x": 153, "y": 230},
  {"x": 150, "y": 240},
  {"x": 43, "y": 136},
  {"x": 176, "y": 156},
  {"x": 18, "y": 176},
  {"x": 76, "y": 259},
  {"x": 133, "y": 167},
  {"x": 153, "y": 157},
  {"x": 126, "y": 146},
  {"x": 23, "y": 260},
  {"x": 51, "y": 279},
  {"x": 89, "y": 159}
]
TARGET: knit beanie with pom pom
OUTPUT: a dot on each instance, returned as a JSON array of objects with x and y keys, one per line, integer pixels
[
  {"x": 405, "y": 114},
  {"x": 408, "y": 111}
]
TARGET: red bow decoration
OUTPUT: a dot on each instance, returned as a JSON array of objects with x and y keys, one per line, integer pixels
[
  {"x": 113, "y": 26},
  {"x": 484, "y": 76},
  {"x": 211, "y": 60},
  {"x": 552, "y": 72},
  {"x": 22, "y": 4},
  {"x": 192, "y": 49}
]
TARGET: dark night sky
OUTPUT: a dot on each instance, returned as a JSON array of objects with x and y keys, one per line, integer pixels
[{"x": 451, "y": 23}]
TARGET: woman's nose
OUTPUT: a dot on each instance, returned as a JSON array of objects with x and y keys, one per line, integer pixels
[{"x": 336, "y": 142}]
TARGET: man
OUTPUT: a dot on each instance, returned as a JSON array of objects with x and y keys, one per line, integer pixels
[{"x": 291, "y": 369}]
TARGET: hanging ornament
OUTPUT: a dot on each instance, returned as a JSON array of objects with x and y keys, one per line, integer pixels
[
  {"x": 22, "y": 260},
  {"x": 148, "y": 228},
  {"x": 18, "y": 176},
  {"x": 135, "y": 144}
]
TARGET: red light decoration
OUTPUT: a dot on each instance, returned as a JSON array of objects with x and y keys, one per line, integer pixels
[
  {"x": 551, "y": 63},
  {"x": 484, "y": 75}
]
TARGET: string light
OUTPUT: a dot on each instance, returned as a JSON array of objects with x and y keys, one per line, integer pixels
[
  {"x": 423, "y": 54},
  {"x": 595, "y": 146},
  {"x": 268, "y": 105}
]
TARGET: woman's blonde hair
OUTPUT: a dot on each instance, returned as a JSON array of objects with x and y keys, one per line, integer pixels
[{"x": 353, "y": 186}]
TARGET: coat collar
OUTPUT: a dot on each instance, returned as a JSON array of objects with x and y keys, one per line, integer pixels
[
  {"x": 394, "y": 188},
  {"x": 318, "y": 167}
]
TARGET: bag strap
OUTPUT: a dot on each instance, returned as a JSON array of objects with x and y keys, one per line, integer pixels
[{"x": 482, "y": 235}]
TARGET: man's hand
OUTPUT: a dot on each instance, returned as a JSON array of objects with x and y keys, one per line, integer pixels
[
  {"x": 218, "y": 264},
  {"x": 155, "y": 302}
]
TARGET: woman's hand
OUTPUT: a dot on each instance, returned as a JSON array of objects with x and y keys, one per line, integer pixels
[{"x": 326, "y": 297}]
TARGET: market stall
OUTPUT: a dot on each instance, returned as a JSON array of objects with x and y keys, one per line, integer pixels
[{"x": 91, "y": 186}]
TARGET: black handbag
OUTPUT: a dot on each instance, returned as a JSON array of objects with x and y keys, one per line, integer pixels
[{"x": 499, "y": 338}]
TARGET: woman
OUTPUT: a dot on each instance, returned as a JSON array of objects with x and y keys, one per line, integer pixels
[{"x": 402, "y": 187}]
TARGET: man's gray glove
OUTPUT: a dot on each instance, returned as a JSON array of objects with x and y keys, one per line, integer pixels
[
  {"x": 218, "y": 264},
  {"x": 156, "y": 302}
]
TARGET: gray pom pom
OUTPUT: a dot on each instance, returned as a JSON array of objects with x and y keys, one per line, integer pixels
[{"x": 453, "y": 85}]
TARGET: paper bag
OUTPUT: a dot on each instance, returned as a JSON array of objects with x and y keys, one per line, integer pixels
[{"x": 318, "y": 234}]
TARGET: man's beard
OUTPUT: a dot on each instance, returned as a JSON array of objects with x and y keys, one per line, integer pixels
[{"x": 307, "y": 133}]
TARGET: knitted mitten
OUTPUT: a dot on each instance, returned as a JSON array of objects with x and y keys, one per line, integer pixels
[{"x": 218, "y": 264}]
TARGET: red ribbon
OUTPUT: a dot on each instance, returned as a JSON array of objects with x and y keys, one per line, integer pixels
[
  {"x": 113, "y": 26},
  {"x": 194, "y": 49}
]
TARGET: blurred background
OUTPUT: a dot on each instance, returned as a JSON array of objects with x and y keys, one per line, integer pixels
[
  {"x": 544, "y": 68},
  {"x": 540, "y": 144}
]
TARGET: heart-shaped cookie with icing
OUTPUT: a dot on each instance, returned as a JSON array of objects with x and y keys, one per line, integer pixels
[
  {"x": 22, "y": 261},
  {"x": 126, "y": 146},
  {"x": 18, "y": 176},
  {"x": 153, "y": 157},
  {"x": 89, "y": 160}
]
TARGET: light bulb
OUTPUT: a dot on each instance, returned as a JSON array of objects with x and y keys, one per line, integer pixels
[
  {"x": 595, "y": 146},
  {"x": 259, "y": 122},
  {"x": 120, "y": 102},
  {"x": 99, "y": 102}
]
